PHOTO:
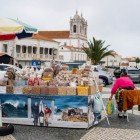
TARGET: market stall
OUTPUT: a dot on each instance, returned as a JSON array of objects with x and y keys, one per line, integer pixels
[{"x": 69, "y": 99}]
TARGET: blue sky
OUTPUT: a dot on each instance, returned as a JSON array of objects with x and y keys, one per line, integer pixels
[{"x": 115, "y": 21}]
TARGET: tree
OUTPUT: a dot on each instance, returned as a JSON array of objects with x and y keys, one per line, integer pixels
[
  {"x": 96, "y": 51},
  {"x": 137, "y": 61}
]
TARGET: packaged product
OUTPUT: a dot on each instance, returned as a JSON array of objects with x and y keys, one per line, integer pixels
[
  {"x": 30, "y": 82},
  {"x": 82, "y": 90},
  {"x": 27, "y": 90},
  {"x": 36, "y": 81},
  {"x": 9, "y": 89},
  {"x": 74, "y": 71},
  {"x": 92, "y": 89}
]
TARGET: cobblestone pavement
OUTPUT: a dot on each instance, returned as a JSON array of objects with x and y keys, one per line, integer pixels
[{"x": 119, "y": 129}]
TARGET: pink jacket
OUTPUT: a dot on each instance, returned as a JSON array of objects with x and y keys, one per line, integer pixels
[{"x": 122, "y": 82}]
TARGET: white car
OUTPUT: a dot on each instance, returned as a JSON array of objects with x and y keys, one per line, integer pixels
[
  {"x": 3, "y": 68},
  {"x": 104, "y": 76}
]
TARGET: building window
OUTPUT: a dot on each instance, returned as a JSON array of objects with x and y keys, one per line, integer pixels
[
  {"x": 65, "y": 43},
  {"x": 18, "y": 47},
  {"x": 34, "y": 50},
  {"x": 46, "y": 51},
  {"x": 23, "y": 49},
  {"x": 74, "y": 28},
  {"x": 50, "y": 51},
  {"x": 85, "y": 31},
  {"x": 5, "y": 47},
  {"x": 41, "y": 50},
  {"x": 29, "y": 49}
]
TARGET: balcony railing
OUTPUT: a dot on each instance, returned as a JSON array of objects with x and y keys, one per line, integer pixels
[{"x": 27, "y": 56}]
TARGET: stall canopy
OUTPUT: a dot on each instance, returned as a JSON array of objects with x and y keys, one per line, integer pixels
[
  {"x": 11, "y": 28},
  {"x": 5, "y": 58}
]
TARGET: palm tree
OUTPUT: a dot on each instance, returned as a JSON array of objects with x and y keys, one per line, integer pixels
[
  {"x": 137, "y": 61},
  {"x": 96, "y": 51}
]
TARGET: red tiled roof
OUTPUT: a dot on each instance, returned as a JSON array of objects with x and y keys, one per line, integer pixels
[
  {"x": 55, "y": 34},
  {"x": 124, "y": 64},
  {"x": 37, "y": 36}
]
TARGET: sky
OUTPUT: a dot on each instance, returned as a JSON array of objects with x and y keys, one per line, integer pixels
[{"x": 117, "y": 22}]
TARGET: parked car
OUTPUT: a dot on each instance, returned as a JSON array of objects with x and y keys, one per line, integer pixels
[
  {"x": 105, "y": 76},
  {"x": 132, "y": 72}
]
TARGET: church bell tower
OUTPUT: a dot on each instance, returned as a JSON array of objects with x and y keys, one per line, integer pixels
[{"x": 78, "y": 27}]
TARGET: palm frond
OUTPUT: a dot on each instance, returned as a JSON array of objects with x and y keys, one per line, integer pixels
[{"x": 97, "y": 51}]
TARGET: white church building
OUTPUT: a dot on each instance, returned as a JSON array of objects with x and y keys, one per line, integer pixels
[{"x": 71, "y": 41}]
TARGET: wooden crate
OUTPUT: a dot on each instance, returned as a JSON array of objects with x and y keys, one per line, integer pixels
[
  {"x": 62, "y": 90},
  {"x": 83, "y": 90}
]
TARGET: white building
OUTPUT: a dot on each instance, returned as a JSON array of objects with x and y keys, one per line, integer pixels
[
  {"x": 71, "y": 41},
  {"x": 36, "y": 48},
  {"x": 112, "y": 61},
  {"x": 7, "y": 47}
]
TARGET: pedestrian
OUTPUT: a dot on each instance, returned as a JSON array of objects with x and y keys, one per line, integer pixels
[
  {"x": 35, "y": 110},
  {"x": 20, "y": 66},
  {"x": 123, "y": 82},
  {"x": 48, "y": 113},
  {"x": 16, "y": 64}
]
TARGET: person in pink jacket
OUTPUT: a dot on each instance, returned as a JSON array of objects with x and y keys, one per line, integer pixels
[{"x": 124, "y": 82}]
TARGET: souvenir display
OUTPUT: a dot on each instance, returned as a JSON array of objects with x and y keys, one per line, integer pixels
[{"x": 57, "y": 97}]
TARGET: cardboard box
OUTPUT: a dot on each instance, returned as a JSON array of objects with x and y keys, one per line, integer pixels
[
  {"x": 44, "y": 90},
  {"x": 62, "y": 90},
  {"x": 71, "y": 91},
  {"x": 53, "y": 90},
  {"x": 83, "y": 90},
  {"x": 92, "y": 90},
  {"x": 27, "y": 90},
  {"x": 9, "y": 89},
  {"x": 36, "y": 90}
]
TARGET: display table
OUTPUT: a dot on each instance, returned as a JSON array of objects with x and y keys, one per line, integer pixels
[{"x": 45, "y": 110}]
